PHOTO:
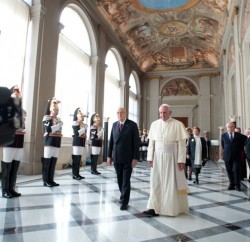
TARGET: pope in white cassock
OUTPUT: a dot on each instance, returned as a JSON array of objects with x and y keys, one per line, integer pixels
[{"x": 167, "y": 157}]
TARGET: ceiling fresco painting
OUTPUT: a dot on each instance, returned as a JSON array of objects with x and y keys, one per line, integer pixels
[
  {"x": 170, "y": 34},
  {"x": 164, "y": 5}
]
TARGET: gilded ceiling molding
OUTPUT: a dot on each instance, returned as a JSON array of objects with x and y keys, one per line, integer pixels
[
  {"x": 138, "y": 5},
  {"x": 155, "y": 78},
  {"x": 208, "y": 74}
]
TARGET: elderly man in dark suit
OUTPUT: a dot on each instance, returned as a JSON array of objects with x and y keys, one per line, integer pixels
[
  {"x": 124, "y": 151},
  {"x": 232, "y": 144},
  {"x": 247, "y": 148}
]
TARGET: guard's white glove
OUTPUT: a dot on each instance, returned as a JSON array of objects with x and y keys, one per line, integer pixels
[{"x": 100, "y": 134}]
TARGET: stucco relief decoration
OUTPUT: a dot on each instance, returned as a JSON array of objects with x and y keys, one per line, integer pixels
[
  {"x": 117, "y": 11},
  {"x": 179, "y": 87},
  {"x": 217, "y": 5},
  {"x": 205, "y": 28},
  {"x": 164, "y": 35},
  {"x": 173, "y": 28}
]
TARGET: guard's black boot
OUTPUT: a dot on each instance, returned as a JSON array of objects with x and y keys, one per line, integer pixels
[
  {"x": 92, "y": 164},
  {"x": 144, "y": 157},
  {"x": 95, "y": 158},
  {"x": 140, "y": 159},
  {"x": 45, "y": 172},
  {"x": 76, "y": 167},
  {"x": 13, "y": 175},
  {"x": 6, "y": 167},
  {"x": 52, "y": 168}
]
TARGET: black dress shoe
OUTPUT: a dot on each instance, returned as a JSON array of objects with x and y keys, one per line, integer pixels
[
  {"x": 47, "y": 184},
  {"x": 6, "y": 194},
  {"x": 230, "y": 187},
  {"x": 124, "y": 207},
  {"x": 237, "y": 188},
  {"x": 150, "y": 213},
  {"x": 95, "y": 172},
  {"x": 14, "y": 193},
  {"x": 54, "y": 184},
  {"x": 78, "y": 177}
]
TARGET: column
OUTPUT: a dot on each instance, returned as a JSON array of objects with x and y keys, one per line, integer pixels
[
  {"x": 153, "y": 98},
  {"x": 92, "y": 95},
  {"x": 30, "y": 91},
  {"x": 105, "y": 141},
  {"x": 220, "y": 147},
  {"x": 204, "y": 104},
  {"x": 39, "y": 79},
  {"x": 123, "y": 95}
]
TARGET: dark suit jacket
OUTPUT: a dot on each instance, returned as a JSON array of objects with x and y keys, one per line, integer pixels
[
  {"x": 232, "y": 150},
  {"x": 124, "y": 145},
  {"x": 247, "y": 148},
  {"x": 191, "y": 148}
]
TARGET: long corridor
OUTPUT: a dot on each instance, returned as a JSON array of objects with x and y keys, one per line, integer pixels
[{"x": 88, "y": 210}]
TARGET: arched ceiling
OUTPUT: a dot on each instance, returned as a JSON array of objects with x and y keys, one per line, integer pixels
[{"x": 169, "y": 34}]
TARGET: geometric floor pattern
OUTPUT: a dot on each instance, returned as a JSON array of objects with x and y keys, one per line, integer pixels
[{"x": 88, "y": 210}]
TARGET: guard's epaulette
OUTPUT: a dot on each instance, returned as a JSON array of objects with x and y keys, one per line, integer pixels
[
  {"x": 75, "y": 123},
  {"x": 46, "y": 118}
]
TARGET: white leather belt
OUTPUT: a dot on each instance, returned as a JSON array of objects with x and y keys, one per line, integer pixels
[{"x": 165, "y": 148}]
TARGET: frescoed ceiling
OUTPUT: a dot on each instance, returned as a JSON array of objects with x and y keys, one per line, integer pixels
[{"x": 169, "y": 34}]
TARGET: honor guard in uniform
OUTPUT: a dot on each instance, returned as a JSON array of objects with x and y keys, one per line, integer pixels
[
  {"x": 10, "y": 116},
  {"x": 144, "y": 144},
  {"x": 96, "y": 135},
  {"x": 52, "y": 126},
  {"x": 140, "y": 150},
  {"x": 12, "y": 153},
  {"x": 79, "y": 138}
]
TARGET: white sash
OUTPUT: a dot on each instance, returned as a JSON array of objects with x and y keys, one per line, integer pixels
[{"x": 165, "y": 148}]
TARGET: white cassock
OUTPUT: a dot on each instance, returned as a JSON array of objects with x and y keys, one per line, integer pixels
[{"x": 167, "y": 148}]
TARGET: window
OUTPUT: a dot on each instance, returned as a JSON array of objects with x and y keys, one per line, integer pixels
[
  {"x": 133, "y": 102},
  {"x": 73, "y": 82},
  {"x": 14, "y": 21},
  {"x": 111, "y": 88}
]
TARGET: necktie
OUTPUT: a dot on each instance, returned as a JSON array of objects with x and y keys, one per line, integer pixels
[
  {"x": 231, "y": 137},
  {"x": 120, "y": 126}
]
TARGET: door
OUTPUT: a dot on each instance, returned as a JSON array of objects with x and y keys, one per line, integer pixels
[{"x": 184, "y": 120}]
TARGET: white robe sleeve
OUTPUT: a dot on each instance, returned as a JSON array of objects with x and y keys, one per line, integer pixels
[
  {"x": 151, "y": 149},
  {"x": 181, "y": 158}
]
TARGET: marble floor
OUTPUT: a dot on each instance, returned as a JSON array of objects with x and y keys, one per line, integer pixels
[{"x": 88, "y": 210}]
